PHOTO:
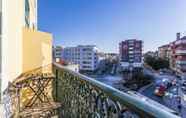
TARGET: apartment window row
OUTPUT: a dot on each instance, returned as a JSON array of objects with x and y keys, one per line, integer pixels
[
  {"x": 87, "y": 49},
  {"x": 87, "y": 62},
  {"x": 87, "y": 67}
]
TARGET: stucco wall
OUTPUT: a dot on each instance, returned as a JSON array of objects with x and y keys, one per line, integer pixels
[
  {"x": 13, "y": 21},
  {"x": 37, "y": 49}
]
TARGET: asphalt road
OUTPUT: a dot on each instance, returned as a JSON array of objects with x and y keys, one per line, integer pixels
[
  {"x": 169, "y": 101},
  {"x": 115, "y": 81},
  {"x": 149, "y": 92}
]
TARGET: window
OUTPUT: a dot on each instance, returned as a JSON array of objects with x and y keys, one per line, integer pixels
[
  {"x": 87, "y": 67},
  {"x": 131, "y": 52},
  {"x": 87, "y": 49},
  {"x": 27, "y": 13},
  {"x": 86, "y": 62}
]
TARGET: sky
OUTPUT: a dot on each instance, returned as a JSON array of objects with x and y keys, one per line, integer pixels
[{"x": 105, "y": 23}]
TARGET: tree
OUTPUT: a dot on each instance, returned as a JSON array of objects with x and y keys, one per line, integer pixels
[{"x": 156, "y": 63}]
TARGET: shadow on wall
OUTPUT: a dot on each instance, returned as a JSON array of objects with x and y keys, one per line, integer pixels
[{"x": 37, "y": 49}]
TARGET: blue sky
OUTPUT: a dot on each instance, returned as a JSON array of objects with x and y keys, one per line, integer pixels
[{"x": 107, "y": 22}]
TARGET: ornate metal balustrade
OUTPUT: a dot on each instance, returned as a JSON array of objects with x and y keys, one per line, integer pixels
[{"x": 84, "y": 97}]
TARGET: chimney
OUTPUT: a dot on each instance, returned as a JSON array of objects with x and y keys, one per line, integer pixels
[{"x": 178, "y": 36}]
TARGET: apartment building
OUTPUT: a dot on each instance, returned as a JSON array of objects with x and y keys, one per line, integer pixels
[
  {"x": 178, "y": 52},
  {"x": 130, "y": 53},
  {"x": 24, "y": 48},
  {"x": 84, "y": 55},
  {"x": 152, "y": 54},
  {"x": 57, "y": 53},
  {"x": 175, "y": 52},
  {"x": 164, "y": 51}
]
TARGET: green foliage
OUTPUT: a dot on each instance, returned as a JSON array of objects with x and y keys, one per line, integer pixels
[
  {"x": 138, "y": 79},
  {"x": 157, "y": 63}
]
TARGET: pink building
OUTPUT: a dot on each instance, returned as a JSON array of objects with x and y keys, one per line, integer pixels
[
  {"x": 176, "y": 53},
  {"x": 131, "y": 53},
  {"x": 178, "y": 49}
]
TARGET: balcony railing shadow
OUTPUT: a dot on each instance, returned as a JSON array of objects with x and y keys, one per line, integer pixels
[{"x": 68, "y": 94}]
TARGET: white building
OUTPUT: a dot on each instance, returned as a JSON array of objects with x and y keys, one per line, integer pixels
[
  {"x": 84, "y": 55},
  {"x": 57, "y": 53}
]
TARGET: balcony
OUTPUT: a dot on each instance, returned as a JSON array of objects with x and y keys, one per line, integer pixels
[
  {"x": 180, "y": 42},
  {"x": 67, "y": 94},
  {"x": 180, "y": 52}
]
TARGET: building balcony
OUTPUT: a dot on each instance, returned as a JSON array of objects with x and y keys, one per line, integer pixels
[
  {"x": 68, "y": 94},
  {"x": 180, "y": 42},
  {"x": 180, "y": 52}
]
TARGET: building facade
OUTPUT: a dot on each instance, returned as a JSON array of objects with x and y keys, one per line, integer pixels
[
  {"x": 175, "y": 52},
  {"x": 178, "y": 49},
  {"x": 130, "y": 53},
  {"x": 152, "y": 54},
  {"x": 57, "y": 53},
  {"x": 84, "y": 55},
  {"x": 164, "y": 51},
  {"x": 24, "y": 48}
]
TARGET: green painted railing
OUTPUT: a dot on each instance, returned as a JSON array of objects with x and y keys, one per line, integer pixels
[{"x": 85, "y": 97}]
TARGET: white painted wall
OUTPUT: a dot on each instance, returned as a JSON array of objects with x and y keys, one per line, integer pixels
[
  {"x": 13, "y": 18},
  {"x": 13, "y": 21}
]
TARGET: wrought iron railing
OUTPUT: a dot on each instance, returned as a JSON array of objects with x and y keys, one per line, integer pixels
[{"x": 84, "y": 97}]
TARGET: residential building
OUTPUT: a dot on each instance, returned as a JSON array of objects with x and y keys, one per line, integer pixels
[
  {"x": 178, "y": 52},
  {"x": 84, "y": 55},
  {"x": 57, "y": 53},
  {"x": 130, "y": 53},
  {"x": 175, "y": 52},
  {"x": 164, "y": 51},
  {"x": 152, "y": 54},
  {"x": 108, "y": 56},
  {"x": 24, "y": 48},
  {"x": 172, "y": 58},
  {"x": 112, "y": 56}
]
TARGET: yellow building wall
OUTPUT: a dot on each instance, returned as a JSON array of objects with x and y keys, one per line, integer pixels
[{"x": 37, "y": 49}]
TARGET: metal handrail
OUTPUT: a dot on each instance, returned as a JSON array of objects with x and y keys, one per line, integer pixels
[{"x": 131, "y": 100}]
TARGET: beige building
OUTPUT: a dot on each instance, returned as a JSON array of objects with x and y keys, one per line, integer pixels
[
  {"x": 24, "y": 48},
  {"x": 164, "y": 52}
]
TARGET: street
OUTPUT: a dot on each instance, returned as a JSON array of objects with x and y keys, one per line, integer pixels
[
  {"x": 149, "y": 92},
  {"x": 170, "y": 99}
]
